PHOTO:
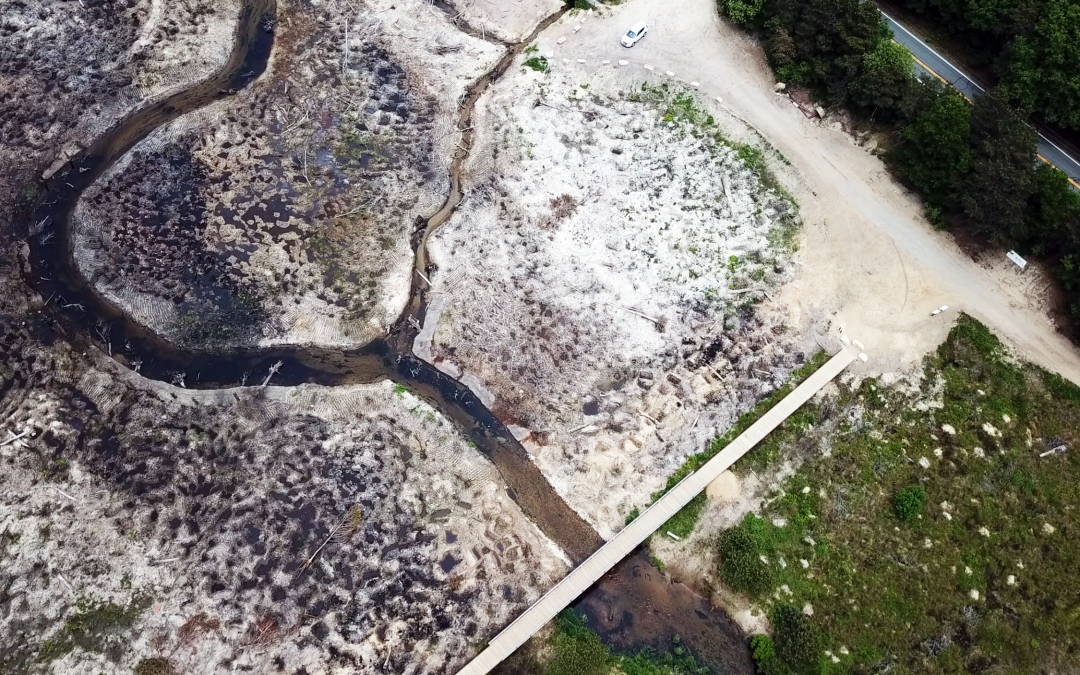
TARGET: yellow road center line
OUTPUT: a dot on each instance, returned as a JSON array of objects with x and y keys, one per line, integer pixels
[
  {"x": 1068, "y": 178},
  {"x": 946, "y": 82}
]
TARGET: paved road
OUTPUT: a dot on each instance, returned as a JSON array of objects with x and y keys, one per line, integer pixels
[
  {"x": 586, "y": 574},
  {"x": 933, "y": 63}
]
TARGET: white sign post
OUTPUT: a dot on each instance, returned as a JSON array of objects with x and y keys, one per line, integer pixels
[{"x": 1015, "y": 257}]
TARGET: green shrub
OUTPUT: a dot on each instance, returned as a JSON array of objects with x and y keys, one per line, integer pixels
[
  {"x": 799, "y": 643},
  {"x": 885, "y": 82},
  {"x": 764, "y": 650},
  {"x": 741, "y": 12},
  {"x": 908, "y": 503},
  {"x": 741, "y": 549},
  {"x": 154, "y": 666},
  {"x": 578, "y": 650},
  {"x": 537, "y": 63}
]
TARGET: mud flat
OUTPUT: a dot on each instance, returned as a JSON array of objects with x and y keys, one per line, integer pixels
[
  {"x": 594, "y": 286},
  {"x": 70, "y": 71},
  {"x": 285, "y": 214},
  {"x": 265, "y": 529}
]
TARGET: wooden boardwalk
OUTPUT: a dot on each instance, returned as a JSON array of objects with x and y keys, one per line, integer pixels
[{"x": 586, "y": 574}]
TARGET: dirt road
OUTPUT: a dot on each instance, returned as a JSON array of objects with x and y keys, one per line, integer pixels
[{"x": 871, "y": 261}]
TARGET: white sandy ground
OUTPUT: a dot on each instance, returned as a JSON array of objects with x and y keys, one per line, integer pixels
[
  {"x": 574, "y": 328},
  {"x": 507, "y": 20},
  {"x": 871, "y": 259},
  {"x": 95, "y": 557}
]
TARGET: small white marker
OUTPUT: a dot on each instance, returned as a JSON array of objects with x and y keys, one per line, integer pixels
[
  {"x": 845, "y": 340},
  {"x": 623, "y": 63},
  {"x": 561, "y": 40},
  {"x": 648, "y": 67},
  {"x": 862, "y": 356},
  {"x": 858, "y": 344},
  {"x": 577, "y": 28},
  {"x": 674, "y": 536},
  {"x": 695, "y": 85},
  {"x": 566, "y": 60},
  {"x": 606, "y": 62},
  {"x": 935, "y": 312},
  {"x": 719, "y": 100},
  {"x": 943, "y": 308},
  {"x": 669, "y": 73},
  {"x": 549, "y": 55},
  {"x": 581, "y": 60}
]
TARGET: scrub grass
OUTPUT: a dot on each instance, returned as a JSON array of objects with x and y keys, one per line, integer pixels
[
  {"x": 576, "y": 650},
  {"x": 932, "y": 537},
  {"x": 681, "y": 105}
]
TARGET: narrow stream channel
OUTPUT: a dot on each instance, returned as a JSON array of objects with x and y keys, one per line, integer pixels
[{"x": 82, "y": 316}]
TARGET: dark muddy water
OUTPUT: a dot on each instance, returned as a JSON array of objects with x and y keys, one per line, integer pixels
[{"x": 79, "y": 314}]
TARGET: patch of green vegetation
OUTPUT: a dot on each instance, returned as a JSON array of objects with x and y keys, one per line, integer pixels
[
  {"x": 401, "y": 390},
  {"x": 94, "y": 627},
  {"x": 576, "y": 650},
  {"x": 56, "y": 470},
  {"x": 31, "y": 191},
  {"x": 744, "y": 555},
  {"x": 676, "y": 106},
  {"x": 984, "y": 578},
  {"x": 538, "y": 63},
  {"x": 908, "y": 502},
  {"x": 764, "y": 652},
  {"x": 799, "y": 642}
]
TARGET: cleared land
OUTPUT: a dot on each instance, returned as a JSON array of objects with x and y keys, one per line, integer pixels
[
  {"x": 68, "y": 72},
  {"x": 872, "y": 262},
  {"x": 265, "y": 528}
]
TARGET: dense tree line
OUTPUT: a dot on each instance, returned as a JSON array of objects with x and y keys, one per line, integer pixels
[
  {"x": 975, "y": 163},
  {"x": 1032, "y": 46}
]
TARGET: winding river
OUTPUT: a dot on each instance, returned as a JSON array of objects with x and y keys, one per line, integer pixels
[{"x": 76, "y": 311}]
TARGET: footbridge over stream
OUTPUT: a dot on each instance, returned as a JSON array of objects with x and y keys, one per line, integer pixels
[{"x": 606, "y": 557}]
